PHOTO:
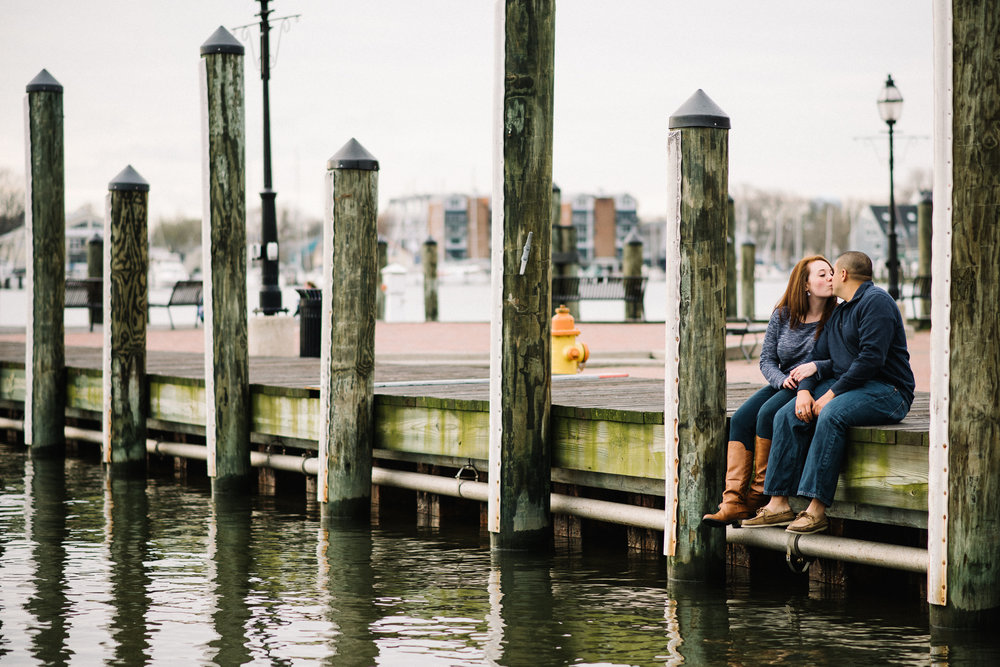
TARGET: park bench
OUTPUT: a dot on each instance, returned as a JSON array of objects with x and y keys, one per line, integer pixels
[
  {"x": 86, "y": 293},
  {"x": 184, "y": 293},
  {"x": 743, "y": 328},
  {"x": 598, "y": 288}
]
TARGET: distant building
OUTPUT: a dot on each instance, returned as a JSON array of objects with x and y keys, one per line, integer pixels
[
  {"x": 81, "y": 225},
  {"x": 602, "y": 223},
  {"x": 870, "y": 235},
  {"x": 461, "y": 226}
]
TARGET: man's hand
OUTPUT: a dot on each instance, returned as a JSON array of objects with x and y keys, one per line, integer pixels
[
  {"x": 802, "y": 371},
  {"x": 804, "y": 405},
  {"x": 822, "y": 401}
]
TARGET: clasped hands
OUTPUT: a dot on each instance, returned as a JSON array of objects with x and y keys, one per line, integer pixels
[{"x": 806, "y": 408}]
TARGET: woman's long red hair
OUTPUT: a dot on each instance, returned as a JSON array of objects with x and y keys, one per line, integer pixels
[{"x": 796, "y": 301}]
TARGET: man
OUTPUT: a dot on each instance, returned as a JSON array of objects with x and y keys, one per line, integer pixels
[{"x": 862, "y": 377}]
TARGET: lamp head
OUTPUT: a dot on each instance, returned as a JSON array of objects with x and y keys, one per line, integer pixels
[{"x": 890, "y": 102}]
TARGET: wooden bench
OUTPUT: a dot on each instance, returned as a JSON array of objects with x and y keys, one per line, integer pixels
[
  {"x": 598, "y": 288},
  {"x": 86, "y": 293},
  {"x": 743, "y": 328},
  {"x": 184, "y": 293}
]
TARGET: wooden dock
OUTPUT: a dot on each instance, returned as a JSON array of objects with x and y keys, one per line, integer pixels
[{"x": 607, "y": 432}]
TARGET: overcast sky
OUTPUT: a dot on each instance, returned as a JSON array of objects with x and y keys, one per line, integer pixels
[{"x": 412, "y": 81}]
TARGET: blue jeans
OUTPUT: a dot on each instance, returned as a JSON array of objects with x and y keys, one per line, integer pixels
[
  {"x": 806, "y": 457},
  {"x": 756, "y": 415}
]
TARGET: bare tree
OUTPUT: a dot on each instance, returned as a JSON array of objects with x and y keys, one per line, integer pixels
[{"x": 11, "y": 201}]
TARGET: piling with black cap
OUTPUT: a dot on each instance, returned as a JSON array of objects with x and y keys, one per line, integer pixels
[
  {"x": 632, "y": 272},
  {"x": 383, "y": 261},
  {"x": 126, "y": 266},
  {"x": 695, "y": 372},
  {"x": 731, "y": 306},
  {"x": 45, "y": 231},
  {"x": 925, "y": 212},
  {"x": 520, "y": 351},
  {"x": 347, "y": 365},
  {"x": 748, "y": 280},
  {"x": 429, "y": 261},
  {"x": 224, "y": 265}
]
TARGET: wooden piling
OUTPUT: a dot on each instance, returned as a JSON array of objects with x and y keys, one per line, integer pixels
[
  {"x": 126, "y": 394},
  {"x": 45, "y": 231},
  {"x": 695, "y": 369},
  {"x": 227, "y": 361},
  {"x": 963, "y": 487},
  {"x": 383, "y": 261},
  {"x": 731, "y": 306},
  {"x": 429, "y": 259},
  {"x": 95, "y": 269},
  {"x": 520, "y": 348},
  {"x": 347, "y": 367},
  {"x": 925, "y": 211},
  {"x": 632, "y": 271},
  {"x": 748, "y": 258}
]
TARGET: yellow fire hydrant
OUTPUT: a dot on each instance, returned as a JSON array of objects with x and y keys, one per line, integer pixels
[{"x": 568, "y": 356}]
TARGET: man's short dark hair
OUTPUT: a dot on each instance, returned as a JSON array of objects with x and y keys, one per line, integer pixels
[{"x": 857, "y": 264}]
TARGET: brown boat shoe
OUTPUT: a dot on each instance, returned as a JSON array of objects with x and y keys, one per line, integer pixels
[
  {"x": 806, "y": 524},
  {"x": 766, "y": 518}
]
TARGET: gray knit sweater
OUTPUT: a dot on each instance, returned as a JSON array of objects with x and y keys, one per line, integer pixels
[{"x": 784, "y": 348}]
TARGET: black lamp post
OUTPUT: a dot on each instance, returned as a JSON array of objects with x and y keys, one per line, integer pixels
[
  {"x": 890, "y": 107},
  {"x": 270, "y": 293}
]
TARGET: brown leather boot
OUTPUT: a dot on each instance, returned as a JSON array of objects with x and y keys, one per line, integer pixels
[
  {"x": 755, "y": 496},
  {"x": 738, "y": 470}
]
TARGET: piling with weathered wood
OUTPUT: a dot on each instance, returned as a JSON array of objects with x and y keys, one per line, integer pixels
[
  {"x": 429, "y": 259},
  {"x": 383, "y": 261},
  {"x": 695, "y": 369},
  {"x": 95, "y": 269},
  {"x": 731, "y": 306},
  {"x": 347, "y": 351},
  {"x": 227, "y": 361},
  {"x": 566, "y": 264},
  {"x": 925, "y": 211},
  {"x": 748, "y": 260},
  {"x": 520, "y": 349},
  {"x": 632, "y": 272},
  {"x": 45, "y": 232},
  {"x": 126, "y": 393},
  {"x": 964, "y": 487}
]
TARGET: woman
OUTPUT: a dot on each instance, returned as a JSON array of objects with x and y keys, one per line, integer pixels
[{"x": 792, "y": 331}]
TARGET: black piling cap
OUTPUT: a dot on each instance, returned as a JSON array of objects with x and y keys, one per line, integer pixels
[
  {"x": 633, "y": 238},
  {"x": 556, "y": 188},
  {"x": 44, "y": 83},
  {"x": 222, "y": 41},
  {"x": 353, "y": 155},
  {"x": 928, "y": 197},
  {"x": 699, "y": 111},
  {"x": 129, "y": 180},
  {"x": 430, "y": 241}
]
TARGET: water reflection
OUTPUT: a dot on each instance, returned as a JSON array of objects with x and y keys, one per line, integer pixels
[{"x": 95, "y": 571}]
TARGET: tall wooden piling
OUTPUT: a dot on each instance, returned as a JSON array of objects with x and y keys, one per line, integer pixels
[
  {"x": 963, "y": 487},
  {"x": 695, "y": 369},
  {"x": 520, "y": 349},
  {"x": 429, "y": 259},
  {"x": 632, "y": 271},
  {"x": 347, "y": 367},
  {"x": 95, "y": 269},
  {"x": 748, "y": 261},
  {"x": 45, "y": 231},
  {"x": 731, "y": 306},
  {"x": 227, "y": 361},
  {"x": 126, "y": 394},
  {"x": 925, "y": 211}
]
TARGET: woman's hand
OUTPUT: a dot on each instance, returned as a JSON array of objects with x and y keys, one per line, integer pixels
[
  {"x": 789, "y": 383},
  {"x": 802, "y": 371},
  {"x": 804, "y": 406}
]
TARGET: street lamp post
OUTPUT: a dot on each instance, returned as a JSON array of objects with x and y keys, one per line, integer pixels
[
  {"x": 890, "y": 108},
  {"x": 270, "y": 293}
]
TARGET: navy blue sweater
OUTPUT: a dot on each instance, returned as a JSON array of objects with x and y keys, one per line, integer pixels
[{"x": 863, "y": 340}]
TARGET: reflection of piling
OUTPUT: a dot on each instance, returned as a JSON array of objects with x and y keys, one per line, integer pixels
[
  {"x": 520, "y": 368},
  {"x": 963, "y": 487},
  {"x": 227, "y": 361},
  {"x": 126, "y": 394},
  {"x": 695, "y": 407},
  {"x": 429, "y": 259},
  {"x": 632, "y": 271},
  {"x": 347, "y": 367},
  {"x": 749, "y": 262},
  {"x": 45, "y": 223}
]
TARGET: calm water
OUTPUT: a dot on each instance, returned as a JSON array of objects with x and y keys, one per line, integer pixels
[{"x": 95, "y": 572}]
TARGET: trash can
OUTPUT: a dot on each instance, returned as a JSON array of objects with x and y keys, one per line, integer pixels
[{"x": 310, "y": 314}]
